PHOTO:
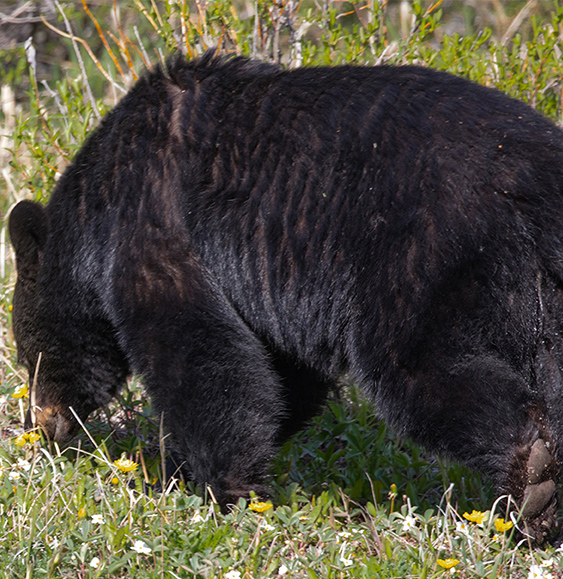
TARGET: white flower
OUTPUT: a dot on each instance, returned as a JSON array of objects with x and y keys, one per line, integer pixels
[
  {"x": 198, "y": 518},
  {"x": 14, "y": 475},
  {"x": 233, "y": 574},
  {"x": 98, "y": 519},
  {"x": 347, "y": 562},
  {"x": 462, "y": 527},
  {"x": 54, "y": 543},
  {"x": 343, "y": 535},
  {"x": 409, "y": 523},
  {"x": 141, "y": 547},
  {"x": 23, "y": 464},
  {"x": 539, "y": 572},
  {"x": 282, "y": 570},
  {"x": 95, "y": 562},
  {"x": 547, "y": 563}
]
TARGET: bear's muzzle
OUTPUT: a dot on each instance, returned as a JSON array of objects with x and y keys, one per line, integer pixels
[{"x": 57, "y": 423}]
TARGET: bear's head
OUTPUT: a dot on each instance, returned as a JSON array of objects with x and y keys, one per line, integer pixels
[{"x": 70, "y": 351}]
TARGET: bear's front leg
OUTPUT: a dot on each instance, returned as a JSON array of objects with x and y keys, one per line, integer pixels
[
  {"x": 211, "y": 379},
  {"x": 209, "y": 376}
]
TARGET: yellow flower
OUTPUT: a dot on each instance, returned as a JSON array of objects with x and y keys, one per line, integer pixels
[
  {"x": 20, "y": 440},
  {"x": 448, "y": 563},
  {"x": 476, "y": 517},
  {"x": 115, "y": 480},
  {"x": 21, "y": 392},
  {"x": 81, "y": 513},
  {"x": 125, "y": 465},
  {"x": 30, "y": 437},
  {"x": 260, "y": 507},
  {"x": 502, "y": 527}
]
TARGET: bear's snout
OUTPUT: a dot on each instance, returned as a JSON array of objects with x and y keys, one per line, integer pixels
[{"x": 53, "y": 421}]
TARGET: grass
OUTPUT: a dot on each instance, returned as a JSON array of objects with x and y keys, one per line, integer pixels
[
  {"x": 72, "y": 512},
  {"x": 352, "y": 500}
]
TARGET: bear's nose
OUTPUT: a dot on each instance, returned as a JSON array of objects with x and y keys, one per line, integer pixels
[{"x": 53, "y": 422}]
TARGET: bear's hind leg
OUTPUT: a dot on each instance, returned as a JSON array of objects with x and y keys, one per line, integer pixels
[
  {"x": 479, "y": 411},
  {"x": 538, "y": 500}
]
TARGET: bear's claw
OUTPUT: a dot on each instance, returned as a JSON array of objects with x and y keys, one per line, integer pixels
[
  {"x": 536, "y": 498},
  {"x": 538, "y": 461},
  {"x": 539, "y": 500}
]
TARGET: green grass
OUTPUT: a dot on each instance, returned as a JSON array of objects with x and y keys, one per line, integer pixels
[{"x": 352, "y": 499}]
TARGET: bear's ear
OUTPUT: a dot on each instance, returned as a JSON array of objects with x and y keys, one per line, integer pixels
[{"x": 29, "y": 228}]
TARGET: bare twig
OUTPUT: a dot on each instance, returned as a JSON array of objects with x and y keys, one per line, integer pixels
[
  {"x": 32, "y": 396},
  {"x": 519, "y": 18},
  {"x": 88, "y": 49},
  {"x": 15, "y": 18},
  {"x": 80, "y": 62}
]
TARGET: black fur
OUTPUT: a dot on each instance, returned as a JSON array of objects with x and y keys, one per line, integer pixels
[{"x": 241, "y": 235}]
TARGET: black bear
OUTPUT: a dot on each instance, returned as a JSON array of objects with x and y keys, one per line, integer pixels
[{"x": 240, "y": 235}]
